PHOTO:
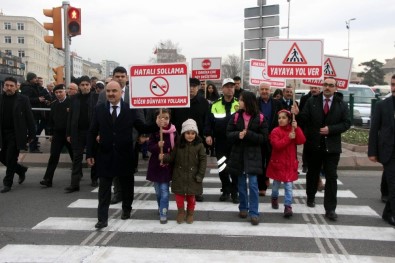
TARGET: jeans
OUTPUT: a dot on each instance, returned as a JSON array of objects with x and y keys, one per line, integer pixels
[
  {"x": 248, "y": 202},
  {"x": 162, "y": 197},
  {"x": 287, "y": 191}
]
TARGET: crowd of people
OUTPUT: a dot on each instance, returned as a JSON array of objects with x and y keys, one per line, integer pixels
[{"x": 254, "y": 139}]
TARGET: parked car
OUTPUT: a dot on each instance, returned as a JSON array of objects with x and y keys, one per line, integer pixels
[{"x": 363, "y": 96}]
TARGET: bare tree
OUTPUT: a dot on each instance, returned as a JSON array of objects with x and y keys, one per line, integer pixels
[
  {"x": 166, "y": 52},
  {"x": 231, "y": 66}
]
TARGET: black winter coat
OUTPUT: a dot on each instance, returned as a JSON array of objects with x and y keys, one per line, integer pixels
[
  {"x": 246, "y": 154},
  {"x": 312, "y": 119},
  {"x": 24, "y": 125}
]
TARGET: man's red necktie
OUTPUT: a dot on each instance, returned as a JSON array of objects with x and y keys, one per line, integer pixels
[{"x": 326, "y": 106}]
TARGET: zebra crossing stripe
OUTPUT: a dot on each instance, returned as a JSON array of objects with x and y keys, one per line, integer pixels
[
  {"x": 229, "y": 207},
  {"x": 217, "y": 191},
  {"x": 141, "y": 178},
  {"x": 216, "y": 228},
  {"x": 96, "y": 254}
]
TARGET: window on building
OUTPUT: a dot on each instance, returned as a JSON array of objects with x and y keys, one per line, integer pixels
[
  {"x": 21, "y": 40},
  {"x": 8, "y": 52},
  {"x": 21, "y": 26},
  {"x": 7, "y": 25},
  {"x": 21, "y": 53},
  {"x": 7, "y": 39}
]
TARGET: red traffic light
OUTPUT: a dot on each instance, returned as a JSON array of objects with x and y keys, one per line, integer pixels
[{"x": 73, "y": 21}]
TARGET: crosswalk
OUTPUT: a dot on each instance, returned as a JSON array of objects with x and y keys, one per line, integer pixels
[{"x": 215, "y": 222}]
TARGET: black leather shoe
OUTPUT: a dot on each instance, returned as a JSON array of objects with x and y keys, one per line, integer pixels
[
  {"x": 331, "y": 215},
  {"x": 199, "y": 198},
  {"x": 94, "y": 183},
  {"x": 125, "y": 215},
  {"x": 389, "y": 219},
  {"x": 310, "y": 203},
  {"x": 46, "y": 183},
  {"x": 235, "y": 198},
  {"x": 22, "y": 175},
  {"x": 115, "y": 200},
  {"x": 100, "y": 224},
  {"x": 71, "y": 189},
  {"x": 224, "y": 197},
  {"x": 5, "y": 189}
]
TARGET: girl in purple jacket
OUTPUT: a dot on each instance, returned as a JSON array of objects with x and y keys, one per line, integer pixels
[{"x": 160, "y": 174}]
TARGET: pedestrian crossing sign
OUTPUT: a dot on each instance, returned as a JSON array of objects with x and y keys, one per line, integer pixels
[
  {"x": 294, "y": 56},
  {"x": 329, "y": 70}
]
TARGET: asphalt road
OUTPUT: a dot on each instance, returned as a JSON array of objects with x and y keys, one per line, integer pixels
[{"x": 46, "y": 225}]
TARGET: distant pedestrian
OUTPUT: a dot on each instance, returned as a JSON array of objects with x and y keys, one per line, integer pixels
[
  {"x": 16, "y": 124},
  {"x": 211, "y": 93},
  {"x": 283, "y": 164},
  {"x": 238, "y": 88},
  {"x": 159, "y": 173},
  {"x": 78, "y": 122},
  {"x": 57, "y": 124},
  {"x": 381, "y": 147},
  {"x": 247, "y": 132},
  {"x": 190, "y": 161}
]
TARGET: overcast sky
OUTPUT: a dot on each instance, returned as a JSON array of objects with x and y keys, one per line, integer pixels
[{"x": 128, "y": 30}]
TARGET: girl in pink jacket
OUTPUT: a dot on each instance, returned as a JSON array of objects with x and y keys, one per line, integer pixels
[{"x": 283, "y": 164}]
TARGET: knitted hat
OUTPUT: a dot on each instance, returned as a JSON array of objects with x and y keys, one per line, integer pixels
[
  {"x": 189, "y": 125},
  {"x": 30, "y": 76}
]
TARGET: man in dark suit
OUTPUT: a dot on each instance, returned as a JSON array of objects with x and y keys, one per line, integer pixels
[
  {"x": 114, "y": 121},
  {"x": 269, "y": 107},
  {"x": 314, "y": 91},
  {"x": 324, "y": 118},
  {"x": 16, "y": 125},
  {"x": 287, "y": 101},
  {"x": 57, "y": 123},
  {"x": 381, "y": 147},
  {"x": 77, "y": 129}
]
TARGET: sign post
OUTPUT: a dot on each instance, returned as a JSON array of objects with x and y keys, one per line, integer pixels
[
  {"x": 206, "y": 68},
  {"x": 258, "y": 74},
  {"x": 295, "y": 58},
  {"x": 159, "y": 85},
  {"x": 336, "y": 67}
]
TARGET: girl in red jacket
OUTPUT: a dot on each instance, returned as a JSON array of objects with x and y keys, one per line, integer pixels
[{"x": 283, "y": 165}]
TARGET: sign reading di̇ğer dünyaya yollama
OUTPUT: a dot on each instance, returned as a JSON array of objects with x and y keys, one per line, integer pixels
[
  {"x": 159, "y": 85},
  {"x": 336, "y": 67},
  {"x": 295, "y": 58}
]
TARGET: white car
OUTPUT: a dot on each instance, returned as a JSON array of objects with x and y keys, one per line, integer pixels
[{"x": 363, "y": 96}]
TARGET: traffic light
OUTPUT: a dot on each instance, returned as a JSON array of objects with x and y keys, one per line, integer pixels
[
  {"x": 58, "y": 76},
  {"x": 55, "y": 26},
  {"x": 73, "y": 21}
]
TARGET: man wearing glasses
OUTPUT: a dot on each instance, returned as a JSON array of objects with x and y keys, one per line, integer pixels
[{"x": 325, "y": 117}]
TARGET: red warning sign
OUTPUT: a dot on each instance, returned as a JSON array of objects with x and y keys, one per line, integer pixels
[
  {"x": 294, "y": 56},
  {"x": 206, "y": 68},
  {"x": 159, "y": 86},
  {"x": 206, "y": 63},
  {"x": 336, "y": 67},
  {"x": 329, "y": 70}
]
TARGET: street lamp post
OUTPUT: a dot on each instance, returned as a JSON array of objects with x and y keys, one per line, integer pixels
[
  {"x": 348, "y": 22},
  {"x": 289, "y": 15}
]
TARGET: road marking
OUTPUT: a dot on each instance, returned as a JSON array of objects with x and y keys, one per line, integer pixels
[
  {"x": 97, "y": 254},
  {"x": 216, "y": 228},
  {"x": 217, "y": 191},
  {"x": 141, "y": 178},
  {"x": 230, "y": 207}
]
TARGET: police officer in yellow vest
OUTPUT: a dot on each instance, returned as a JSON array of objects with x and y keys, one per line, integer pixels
[{"x": 221, "y": 111}]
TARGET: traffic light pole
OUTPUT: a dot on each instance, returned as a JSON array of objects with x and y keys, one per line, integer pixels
[{"x": 67, "y": 41}]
